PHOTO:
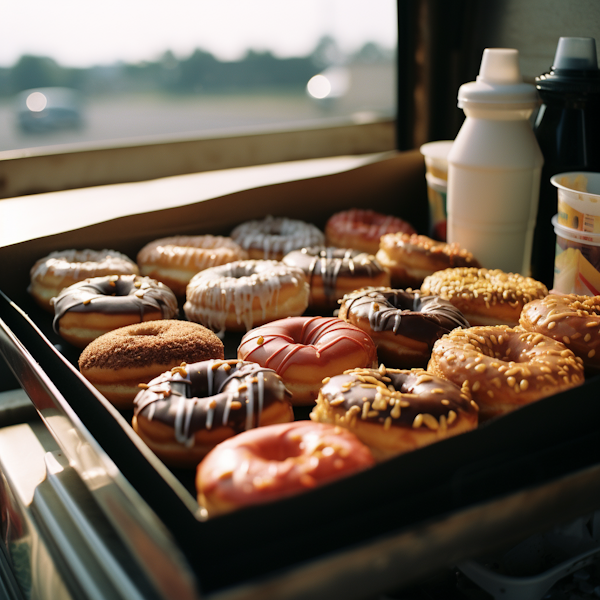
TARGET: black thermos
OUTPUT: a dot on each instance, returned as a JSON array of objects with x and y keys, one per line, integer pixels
[{"x": 567, "y": 128}]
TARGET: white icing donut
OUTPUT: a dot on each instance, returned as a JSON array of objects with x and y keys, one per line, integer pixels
[
  {"x": 246, "y": 293},
  {"x": 274, "y": 237}
]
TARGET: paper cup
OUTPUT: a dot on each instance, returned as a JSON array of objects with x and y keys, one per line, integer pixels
[
  {"x": 578, "y": 200},
  {"x": 577, "y": 261},
  {"x": 436, "y": 164}
]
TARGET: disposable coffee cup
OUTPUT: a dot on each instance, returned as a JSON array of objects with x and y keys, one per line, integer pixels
[
  {"x": 436, "y": 165},
  {"x": 577, "y": 261},
  {"x": 578, "y": 200}
]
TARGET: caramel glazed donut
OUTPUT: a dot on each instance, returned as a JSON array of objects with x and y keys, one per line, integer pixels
[
  {"x": 305, "y": 350},
  {"x": 571, "y": 319},
  {"x": 404, "y": 325},
  {"x": 410, "y": 257},
  {"x": 239, "y": 295},
  {"x": 272, "y": 462},
  {"x": 185, "y": 412},
  {"x": 362, "y": 229},
  {"x": 58, "y": 270},
  {"x": 484, "y": 296},
  {"x": 175, "y": 260},
  {"x": 90, "y": 308},
  {"x": 333, "y": 272},
  {"x": 274, "y": 237},
  {"x": 118, "y": 361},
  {"x": 394, "y": 411},
  {"x": 505, "y": 368}
]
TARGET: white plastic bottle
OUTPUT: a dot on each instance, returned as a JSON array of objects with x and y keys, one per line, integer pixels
[{"x": 494, "y": 166}]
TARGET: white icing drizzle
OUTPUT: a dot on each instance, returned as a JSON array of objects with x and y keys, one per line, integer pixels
[{"x": 79, "y": 263}]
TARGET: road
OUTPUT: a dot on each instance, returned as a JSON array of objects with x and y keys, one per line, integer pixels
[{"x": 134, "y": 117}]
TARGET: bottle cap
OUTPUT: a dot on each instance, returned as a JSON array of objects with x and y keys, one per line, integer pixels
[
  {"x": 575, "y": 68},
  {"x": 499, "y": 82},
  {"x": 576, "y": 53}
]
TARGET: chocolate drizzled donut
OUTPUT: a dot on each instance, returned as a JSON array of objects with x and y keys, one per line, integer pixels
[
  {"x": 333, "y": 272},
  {"x": 207, "y": 396},
  {"x": 399, "y": 320}
]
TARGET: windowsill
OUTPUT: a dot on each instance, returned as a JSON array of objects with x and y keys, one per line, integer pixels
[{"x": 29, "y": 217}]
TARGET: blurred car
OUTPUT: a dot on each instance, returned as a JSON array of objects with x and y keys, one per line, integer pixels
[{"x": 49, "y": 109}]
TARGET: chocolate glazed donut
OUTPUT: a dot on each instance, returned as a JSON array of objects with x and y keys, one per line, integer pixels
[
  {"x": 404, "y": 325},
  {"x": 394, "y": 411},
  {"x": 90, "y": 308},
  {"x": 185, "y": 412},
  {"x": 333, "y": 272}
]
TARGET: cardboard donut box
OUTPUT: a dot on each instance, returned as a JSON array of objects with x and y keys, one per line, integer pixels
[{"x": 402, "y": 520}]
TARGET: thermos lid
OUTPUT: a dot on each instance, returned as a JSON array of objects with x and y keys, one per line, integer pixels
[
  {"x": 575, "y": 67},
  {"x": 499, "y": 82}
]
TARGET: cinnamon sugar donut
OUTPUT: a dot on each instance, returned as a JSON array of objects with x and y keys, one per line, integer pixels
[
  {"x": 571, "y": 319},
  {"x": 505, "y": 368},
  {"x": 117, "y": 362},
  {"x": 304, "y": 350},
  {"x": 394, "y": 411},
  {"x": 58, "y": 270},
  {"x": 274, "y": 237},
  {"x": 332, "y": 272},
  {"x": 362, "y": 229},
  {"x": 88, "y": 309},
  {"x": 242, "y": 294},
  {"x": 175, "y": 260},
  {"x": 272, "y": 462},
  {"x": 410, "y": 257},
  {"x": 404, "y": 325},
  {"x": 483, "y": 296},
  {"x": 184, "y": 413}
]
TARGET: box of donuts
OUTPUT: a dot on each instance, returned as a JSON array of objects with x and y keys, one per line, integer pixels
[{"x": 290, "y": 391}]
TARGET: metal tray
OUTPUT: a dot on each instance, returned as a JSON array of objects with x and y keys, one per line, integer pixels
[{"x": 370, "y": 533}]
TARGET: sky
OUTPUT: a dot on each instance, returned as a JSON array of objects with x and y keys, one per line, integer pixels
[{"x": 82, "y": 33}]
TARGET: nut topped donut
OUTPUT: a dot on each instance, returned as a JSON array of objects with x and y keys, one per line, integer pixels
[
  {"x": 175, "y": 260},
  {"x": 404, "y": 325},
  {"x": 118, "y": 361},
  {"x": 505, "y": 368},
  {"x": 274, "y": 237},
  {"x": 58, "y": 270},
  {"x": 333, "y": 272},
  {"x": 187, "y": 411},
  {"x": 87, "y": 309},
  {"x": 362, "y": 229},
  {"x": 410, "y": 257},
  {"x": 571, "y": 319},
  {"x": 272, "y": 462},
  {"x": 304, "y": 350},
  {"x": 484, "y": 296},
  {"x": 242, "y": 294},
  {"x": 394, "y": 411}
]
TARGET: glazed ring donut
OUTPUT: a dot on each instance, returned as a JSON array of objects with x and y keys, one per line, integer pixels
[
  {"x": 573, "y": 320},
  {"x": 239, "y": 295},
  {"x": 187, "y": 411},
  {"x": 175, "y": 260},
  {"x": 485, "y": 297},
  {"x": 274, "y": 237},
  {"x": 410, "y": 258},
  {"x": 305, "y": 350},
  {"x": 272, "y": 462},
  {"x": 362, "y": 229},
  {"x": 333, "y": 272},
  {"x": 58, "y": 270},
  {"x": 505, "y": 368},
  {"x": 90, "y": 308},
  {"x": 404, "y": 325},
  {"x": 394, "y": 411},
  {"x": 118, "y": 361}
]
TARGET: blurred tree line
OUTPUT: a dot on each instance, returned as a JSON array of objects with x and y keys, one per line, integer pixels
[{"x": 199, "y": 72}]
